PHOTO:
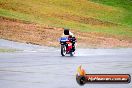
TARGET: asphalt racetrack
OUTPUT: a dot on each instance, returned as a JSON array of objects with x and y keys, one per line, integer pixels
[{"x": 34, "y": 66}]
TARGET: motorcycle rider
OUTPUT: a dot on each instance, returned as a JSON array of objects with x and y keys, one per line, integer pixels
[{"x": 71, "y": 36}]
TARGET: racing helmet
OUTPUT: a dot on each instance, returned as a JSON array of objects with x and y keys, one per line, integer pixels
[{"x": 66, "y": 31}]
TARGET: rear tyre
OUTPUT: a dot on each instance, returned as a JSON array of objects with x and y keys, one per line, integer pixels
[{"x": 63, "y": 50}]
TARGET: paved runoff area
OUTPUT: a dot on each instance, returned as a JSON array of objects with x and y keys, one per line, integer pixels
[{"x": 33, "y": 66}]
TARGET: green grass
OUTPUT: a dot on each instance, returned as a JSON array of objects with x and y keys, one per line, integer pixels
[
  {"x": 125, "y": 5},
  {"x": 68, "y": 13},
  {"x": 6, "y": 50}
]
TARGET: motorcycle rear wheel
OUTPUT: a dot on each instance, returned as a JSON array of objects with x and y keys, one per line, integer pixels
[{"x": 63, "y": 50}]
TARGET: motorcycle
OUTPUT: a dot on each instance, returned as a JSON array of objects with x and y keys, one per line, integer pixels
[{"x": 66, "y": 46}]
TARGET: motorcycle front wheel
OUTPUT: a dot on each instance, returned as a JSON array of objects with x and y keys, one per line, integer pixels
[{"x": 63, "y": 50}]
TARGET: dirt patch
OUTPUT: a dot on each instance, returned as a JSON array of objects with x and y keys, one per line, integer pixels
[
  {"x": 29, "y": 33},
  {"x": 44, "y": 35}
]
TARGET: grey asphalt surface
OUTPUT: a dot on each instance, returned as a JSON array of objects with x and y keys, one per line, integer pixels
[{"x": 43, "y": 67}]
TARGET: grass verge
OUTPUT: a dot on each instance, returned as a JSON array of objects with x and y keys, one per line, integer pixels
[{"x": 7, "y": 50}]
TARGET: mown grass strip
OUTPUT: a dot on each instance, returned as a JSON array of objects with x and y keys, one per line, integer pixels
[{"x": 7, "y": 50}]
